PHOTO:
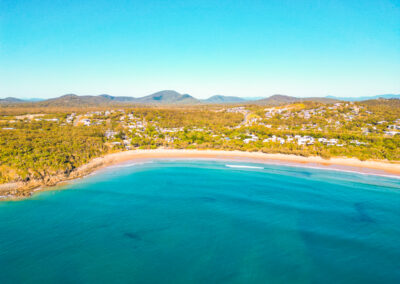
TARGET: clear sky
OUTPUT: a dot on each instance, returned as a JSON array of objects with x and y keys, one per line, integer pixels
[{"x": 244, "y": 48}]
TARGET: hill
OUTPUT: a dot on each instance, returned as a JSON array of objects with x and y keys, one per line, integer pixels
[
  {"x": 219, "y": 99},
  {"x": 171, "y": 97},
  {"x": 168, "y": 97},
  {"x": 276, "y": 100},
  {"x": 118, "y": 99},
  {"x": 366, "y": 98},
  {"x": 72, "y": 100},
  {"x": 10, "y": 100}
]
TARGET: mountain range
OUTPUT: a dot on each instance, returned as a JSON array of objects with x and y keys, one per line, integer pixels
[
  {"x": 365, "y": 98},
  {"x": 170, "y": 97},
  {"x": 276, "y": 100}
]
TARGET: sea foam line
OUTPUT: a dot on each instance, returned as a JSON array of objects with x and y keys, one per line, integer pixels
[
  {"x": 245, "y": 167},
  {"x": 325, "y": 168},
  {"x": 128, "y": 165},
  {"x": 319, "y": 168}
]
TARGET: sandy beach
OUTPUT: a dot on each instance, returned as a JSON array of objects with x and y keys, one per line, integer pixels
[
  {"x": 18, "y": 190},
  {"x": 353, "y": 164}
]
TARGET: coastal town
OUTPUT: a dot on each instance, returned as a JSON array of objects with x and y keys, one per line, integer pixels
[
  {"x": 293, "y": 124},
  {"x": 38, "y": 144}
]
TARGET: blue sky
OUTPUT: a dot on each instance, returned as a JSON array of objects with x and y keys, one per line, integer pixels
[{"x": 243, "y": 48}]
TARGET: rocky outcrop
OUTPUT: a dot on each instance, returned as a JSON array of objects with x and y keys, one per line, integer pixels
[{"x": 21, "y": 189}]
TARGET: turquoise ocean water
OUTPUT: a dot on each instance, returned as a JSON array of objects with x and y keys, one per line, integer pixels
[{"x": 206, "y": 222}]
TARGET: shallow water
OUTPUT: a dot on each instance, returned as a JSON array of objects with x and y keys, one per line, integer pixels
[{"x": 206, "y": 222}]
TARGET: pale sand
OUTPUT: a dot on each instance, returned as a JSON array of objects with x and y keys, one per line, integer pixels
[{"x": 345, "y": 164}]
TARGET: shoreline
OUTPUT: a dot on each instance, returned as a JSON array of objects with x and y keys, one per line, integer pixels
[{"x": 19, "y": 190}]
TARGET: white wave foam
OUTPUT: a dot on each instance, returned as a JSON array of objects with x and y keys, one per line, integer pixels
[
  {"x": 325, "y": 168},
  {"x": 127, "y": 165},
  {"x": 320, "y": 168},
  {"x": 245, "y": 167}
]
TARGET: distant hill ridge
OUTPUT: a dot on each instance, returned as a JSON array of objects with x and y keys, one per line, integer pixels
[
  {"x": 171, "y": 97},
  {"x": 223, "y": 99},
  {"x": 282, "y": 99},
  {"x": 11, "y": 100},
  {"x": 168, "y": 97},
  {"x": 365, "y": 98}
]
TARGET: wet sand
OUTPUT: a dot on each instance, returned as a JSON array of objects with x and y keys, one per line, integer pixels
[{"x": 345, "y": 164}]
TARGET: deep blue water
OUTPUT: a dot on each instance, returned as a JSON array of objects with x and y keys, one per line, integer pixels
[{"x": 204, "y": 222}]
